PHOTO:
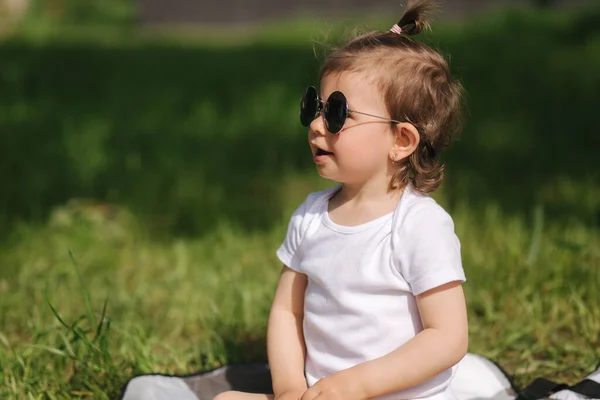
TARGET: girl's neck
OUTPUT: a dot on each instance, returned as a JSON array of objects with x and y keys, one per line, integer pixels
[
  {"x": 355, "y": 205},
  {"x": 360, "y": 195}
]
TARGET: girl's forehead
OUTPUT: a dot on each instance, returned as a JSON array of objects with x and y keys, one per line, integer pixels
[{"x": 358, "y": 87}]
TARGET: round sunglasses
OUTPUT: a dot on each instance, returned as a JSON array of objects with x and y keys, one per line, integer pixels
[{"x": 335, "y": 110}]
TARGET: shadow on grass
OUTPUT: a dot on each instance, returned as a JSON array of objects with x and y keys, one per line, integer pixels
[{"x": 190, "y": 136}]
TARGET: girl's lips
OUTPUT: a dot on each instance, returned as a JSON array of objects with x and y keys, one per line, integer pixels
[
  {"x": 321, "y": 152},
  {"x": 322, "y": 158}
]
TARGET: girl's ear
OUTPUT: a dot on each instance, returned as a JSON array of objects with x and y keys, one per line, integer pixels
[{"x": 406, "y": 141}]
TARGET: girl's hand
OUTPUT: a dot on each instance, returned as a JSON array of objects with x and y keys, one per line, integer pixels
[
  {"x": 291, "y": 395},
  {"x": 339, "y": 386}
]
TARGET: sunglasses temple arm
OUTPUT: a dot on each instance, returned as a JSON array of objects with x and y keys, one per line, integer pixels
[
  {"x": 374, "y": 116},
  {"x": 429, "y": 146}
]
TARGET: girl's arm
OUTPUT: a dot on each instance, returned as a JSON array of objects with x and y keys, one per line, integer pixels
[
  {"x": 285, "y": 339},
  {"x": 442, "y": 343}
]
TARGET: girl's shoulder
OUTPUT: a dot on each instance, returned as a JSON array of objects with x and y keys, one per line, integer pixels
[
  {"x": 305, "y": 219},
  {"x": 315, "y": 202},
  {"x": 425, "y": 248},
  {"x": 310, "y": 211},
  {"x": 419, "y": 210}
]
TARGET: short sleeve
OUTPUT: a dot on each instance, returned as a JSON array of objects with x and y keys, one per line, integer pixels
[
  {"x": 426, "y": 249},
  {"x": 293, "y": 238}
]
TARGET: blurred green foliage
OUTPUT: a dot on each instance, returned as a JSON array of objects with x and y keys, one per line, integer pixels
[
  {"x": 82, "y": 12},
  {"x": 190, "y": 133}
]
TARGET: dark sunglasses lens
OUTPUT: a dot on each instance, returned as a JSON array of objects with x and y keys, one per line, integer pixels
[
  {"x": 336, "y": 111},
  {"x": 308, "y": 106}
]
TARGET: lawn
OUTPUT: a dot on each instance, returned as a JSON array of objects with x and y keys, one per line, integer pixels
[{"x": 147, "y": 182}]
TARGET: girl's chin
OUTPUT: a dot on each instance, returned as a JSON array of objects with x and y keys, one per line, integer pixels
[
  {"x": 327, "y": 174},
  {"x": 323, "y": 172}
]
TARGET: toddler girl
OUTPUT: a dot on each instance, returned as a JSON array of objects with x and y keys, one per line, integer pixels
[{"x": 369, "y": 302}]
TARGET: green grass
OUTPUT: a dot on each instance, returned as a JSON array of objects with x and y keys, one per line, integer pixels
[
  {"x": 168, "y": 169},
  {"x": 181, "y": 305}
]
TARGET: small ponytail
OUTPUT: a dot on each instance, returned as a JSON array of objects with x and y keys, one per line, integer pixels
[{"x": 416, "y": 17}]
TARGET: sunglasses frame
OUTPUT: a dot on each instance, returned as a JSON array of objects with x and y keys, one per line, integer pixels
[{"x": 323, "y": 106}]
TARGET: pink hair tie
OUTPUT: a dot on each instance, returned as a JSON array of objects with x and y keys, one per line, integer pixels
[{"x": 396, "y": 29}]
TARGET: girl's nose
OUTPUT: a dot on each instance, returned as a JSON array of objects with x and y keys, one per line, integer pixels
[{"x": 318, "y": 125}]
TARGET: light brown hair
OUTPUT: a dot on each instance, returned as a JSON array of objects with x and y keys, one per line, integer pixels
[{"x": 417, "y": 87}]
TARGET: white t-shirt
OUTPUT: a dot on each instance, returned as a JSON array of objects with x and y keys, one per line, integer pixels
[{"x": 362, "y": 282}]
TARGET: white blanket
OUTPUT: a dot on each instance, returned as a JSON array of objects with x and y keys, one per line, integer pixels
[{"x": 477, "y": 378}]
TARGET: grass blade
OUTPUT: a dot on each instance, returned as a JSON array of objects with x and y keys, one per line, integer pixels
[
  {"x": 68, "y": 347},
  {"x": 58, "y": 317},
  {"x": 101, "y": 322},
  {"x": 47, "y": 348},
  {"x": 86, "y": 295},
  {"x": 4, "y": 341},
  {"x": 79, "y": 334}
]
